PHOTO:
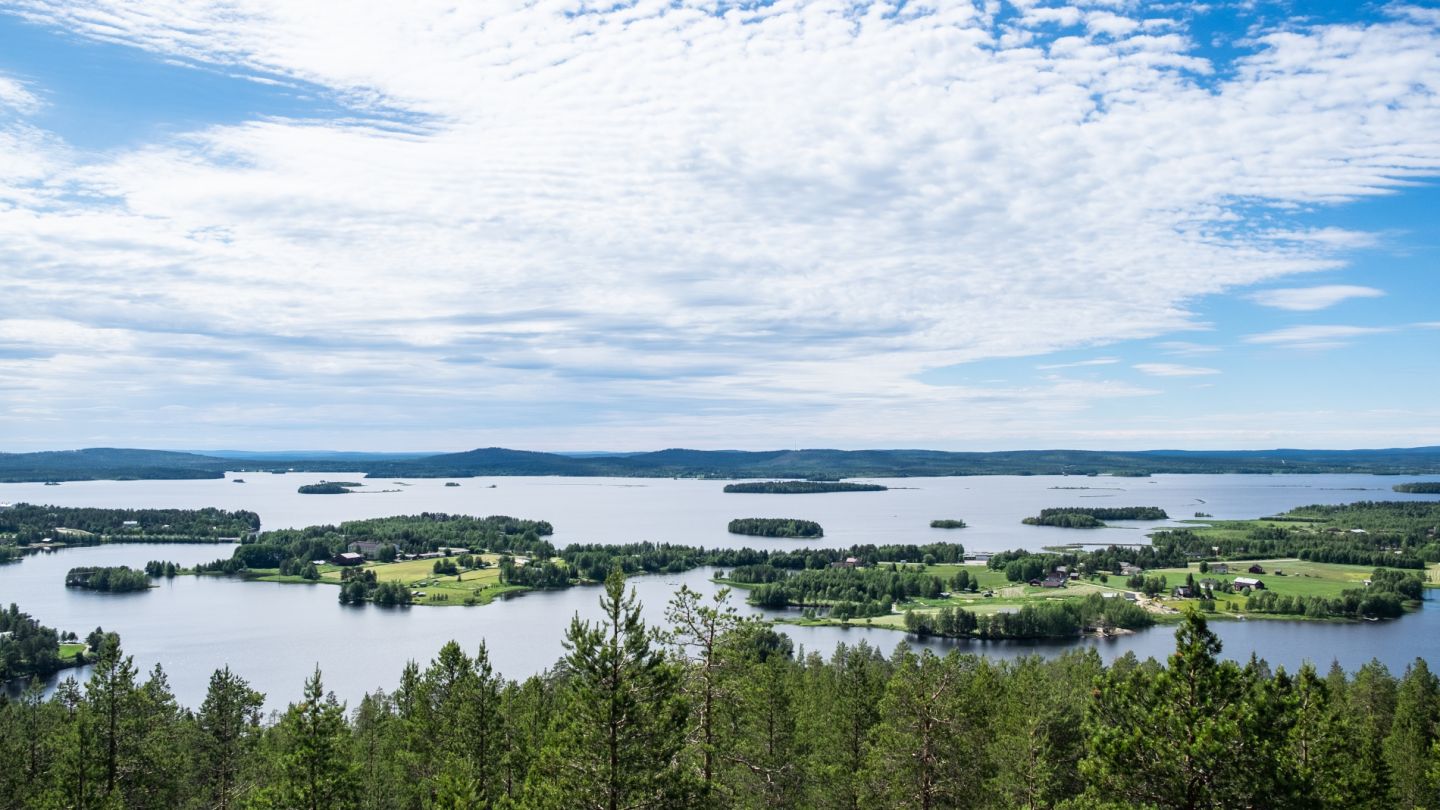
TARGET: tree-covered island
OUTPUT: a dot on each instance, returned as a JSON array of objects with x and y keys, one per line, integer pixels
[
  {"x": 801, "y": 487},
  {"x": 27, "y": 526},
  {"x": 329, "y": 488},
  {"x": 947, "y": 523},
  {"x": 775, "y": 527},
  {"x": 1093, "y": 517}
]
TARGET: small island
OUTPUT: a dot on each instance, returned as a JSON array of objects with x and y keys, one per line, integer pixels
[
  {"x": 1079, "y": 517},
  {"x": 947, "y": 524},
  {"x": 328, "y": 488},
  {"x": 450, "y": 484},
  {"x": 107, "y": 579},
  {"x": 1419, "y": 488},
  {"x": 800, "y": 487},
  {"x": 776, "y": 527}
]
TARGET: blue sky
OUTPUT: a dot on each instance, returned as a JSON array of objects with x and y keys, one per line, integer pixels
[{"x": 564, "y": 226}]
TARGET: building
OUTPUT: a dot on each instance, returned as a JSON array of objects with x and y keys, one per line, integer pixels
[
  {"x": 1055, "y": 580},
  {"x": 848, "y": 562},
  {"x": 367, "y": 548},
  {"x": 1257, "y": 568},
  {"x": 1219, "y": 568},
  {"x": 1249, "y": 582},
  {"x": 1129, "y": 569},
  {"x": 1183, "y": 592},
  {"x": 347, "y": 558}
]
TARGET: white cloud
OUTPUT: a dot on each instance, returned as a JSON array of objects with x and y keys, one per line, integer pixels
[
  {"x": 1174, "y": 370},
  {"x": 1098, "y": 361},
  {"x": 15, "y": 95},
  {"x": 755, "y": 223},
  {"x": 1183, "y": 348},
  {"x": 1308, "y": 299},
  {"x": 1315, "y": 336}
]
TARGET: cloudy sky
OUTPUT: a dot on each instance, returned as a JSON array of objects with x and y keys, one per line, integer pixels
[{"x": 565, "y": 225}]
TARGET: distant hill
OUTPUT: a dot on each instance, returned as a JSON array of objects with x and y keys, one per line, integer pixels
[{"x": 110, "y": 463}]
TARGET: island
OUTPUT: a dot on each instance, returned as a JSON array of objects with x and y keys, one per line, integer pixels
[
  {"x": 947, "y": 524},
  {"x": 108, "y": 579},
  {"x": 1078, "y": 517},
  {"x": 328, "y": 488},
  {"x": 800, "y": 487},
  {"x": 26, "y": 527},
  {"x": 775, "y": 527},
  {"x": 1419, "y": 488}
]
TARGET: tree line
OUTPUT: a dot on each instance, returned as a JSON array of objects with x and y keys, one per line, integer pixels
[
  {"x": 24, "y": 524},
  {"x": 1057, "y": 619},
  {"x": 715, "y": 711},
  {"x": 801, "y": 487}
]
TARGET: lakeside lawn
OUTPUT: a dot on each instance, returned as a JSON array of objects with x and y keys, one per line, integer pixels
[
  {"x": 1299, "y": 578},
  {"x": 479, "y": 586}
]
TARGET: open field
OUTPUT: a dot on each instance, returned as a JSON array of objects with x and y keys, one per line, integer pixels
[
  {"x": 1296, "y": 578},
  {"x": 69, "y": 651},
  {"x": 479, "y": 586}
]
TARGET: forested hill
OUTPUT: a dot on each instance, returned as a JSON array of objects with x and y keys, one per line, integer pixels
[{"x": 107, "y": 463}]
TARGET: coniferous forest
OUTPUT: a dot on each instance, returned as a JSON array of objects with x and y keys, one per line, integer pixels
[{"x": 716, "y": 711}]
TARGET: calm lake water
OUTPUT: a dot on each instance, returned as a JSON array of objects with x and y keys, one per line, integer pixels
[{"x": 275, "y": 634}]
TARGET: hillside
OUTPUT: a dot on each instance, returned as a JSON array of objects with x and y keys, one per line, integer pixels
[{"x": 818, "y": 464}]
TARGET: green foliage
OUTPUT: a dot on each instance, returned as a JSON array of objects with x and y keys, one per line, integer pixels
[
  {"x": 775, "y": 527},
  {"x": 25, "y": 524},
  {"x": 718, "y": 712},
  {"x": 801, "y": 487},
  {"x": 947, "y": 524},
  {"x": 28, "y": 647},
  {"x": 327, "y": 488},
  {"x": 1062, "y": 619},
  {"x": 1419, "y": 488},
  {"x": 1076, "y": 517},
  {"x": 110, "y": 579}
]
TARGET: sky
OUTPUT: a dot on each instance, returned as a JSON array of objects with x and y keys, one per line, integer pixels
[{"x": 574, "y": 225}]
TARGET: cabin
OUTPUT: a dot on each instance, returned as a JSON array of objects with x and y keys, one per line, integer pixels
[
  {"x": 347, "y": 558},
  {"x": 1257, "y": 568},
  {"x": 1219, "y": 568},
  {"x": 1129, "y": 569},
  {"x": 1055, "y": 580},
  {"x": 848, "y": 562},
  {"x": 366, "y": 548},
  {"x": 1183, "y": 592},
  {"x": 1249, "y": 582}
]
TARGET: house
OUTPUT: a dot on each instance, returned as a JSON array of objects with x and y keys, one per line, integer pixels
[
  {"x": 1257, "y": 568},
  {"x": 1129, "y": 569},
  {"x": 347, "y": 558},
  {"x": 1055, "y": 580},
  {"x": 367, "y": 548},
  {"x": 1219, "y": 568},
  {"x": 848, "y": 562},
  {"x": 130, "y": 524},
  {"x": 1209, "y": 584},
  {"x": 1249, "y": 582},
  {"x": 1184, "y": 592}
]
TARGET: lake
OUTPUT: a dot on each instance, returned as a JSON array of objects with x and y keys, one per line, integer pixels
[{"x": 274, "y": 634}]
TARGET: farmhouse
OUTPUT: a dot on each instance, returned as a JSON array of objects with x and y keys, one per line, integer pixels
[
  {"x": 1249, "y": 582},
  {"x": 367, "y": 548},
  {"x": 348, "y": 558},
  {"x": 1219, "y": 568},
  {"x": 1257, "y": 568}
]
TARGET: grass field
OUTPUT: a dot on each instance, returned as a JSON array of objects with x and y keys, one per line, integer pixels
[
  {"x": 1297, "y": 578},
  {"x": 479, "y": 586},
  {"x": 68, "y": 651}
]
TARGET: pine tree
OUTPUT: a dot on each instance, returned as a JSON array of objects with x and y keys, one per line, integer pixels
[
  {"x": 698, "y": 632},
  {"x": 316, "y": 764},
  {"x": 228, "y": 730},
  {"x": 1412, "y": 738},
  {"x": 622, "y": 727}
]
